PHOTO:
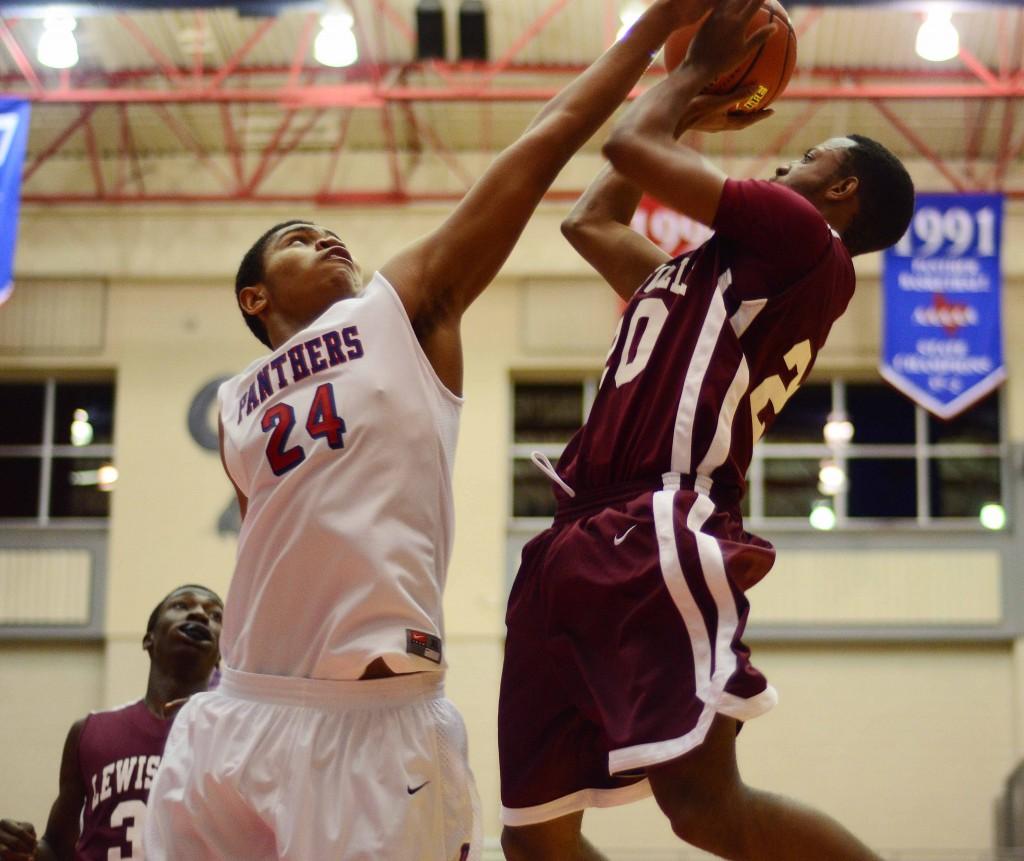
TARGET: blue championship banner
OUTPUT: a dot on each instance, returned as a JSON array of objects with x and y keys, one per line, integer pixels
[
  {"x": 942, "y": 343},
  {"x": 14, "y": 117}
]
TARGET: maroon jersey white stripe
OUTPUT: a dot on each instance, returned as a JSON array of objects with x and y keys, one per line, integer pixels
[{"x": 712, "y": 345}]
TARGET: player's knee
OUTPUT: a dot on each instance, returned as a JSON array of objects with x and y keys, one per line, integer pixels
[
  {"x": 709, "y": 820},
  {"x": 516, "y": 844},
  {"x": 530, "y": 843}
]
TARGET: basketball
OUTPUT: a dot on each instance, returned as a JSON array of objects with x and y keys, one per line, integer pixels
[{"x": 769, "y": 67}]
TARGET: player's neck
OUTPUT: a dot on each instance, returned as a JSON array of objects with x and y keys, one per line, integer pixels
[
  {"x": 838, "y": 216},
  {"x": 164, "y": 687},
  {"x": 281, "y": 330}
]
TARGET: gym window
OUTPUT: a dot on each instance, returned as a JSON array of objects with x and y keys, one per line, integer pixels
[
  {"x": 57, "y": 471},
  {"x": 902, "y": 468},
  {"x": 56, "y": 451}
]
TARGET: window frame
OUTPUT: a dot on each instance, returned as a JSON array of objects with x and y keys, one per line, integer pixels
[
  {"x": 921, "y": 451},
  {"x": 47, "y": 451},
  {"x": 44, "y": 532}
]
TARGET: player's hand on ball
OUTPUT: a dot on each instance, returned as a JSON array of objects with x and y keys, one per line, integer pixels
[
  {"x": 717, "y": 113},
  {"x": 722, "y": 42},
  {"x": 17, "y": 840}
]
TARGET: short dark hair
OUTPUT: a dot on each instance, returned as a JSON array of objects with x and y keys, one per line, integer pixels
[
  {"x": 151, "y": 624},
  {"x": 250, "y": 271},
  {"x": 885, "y": 196}
]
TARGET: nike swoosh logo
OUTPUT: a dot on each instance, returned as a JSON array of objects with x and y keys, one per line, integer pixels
[
  {"x": 412, "y": 791},
  {"x": 620, "y": 538}
]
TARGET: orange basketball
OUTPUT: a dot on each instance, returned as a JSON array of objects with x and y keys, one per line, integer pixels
[{"x": 769, "y": 67}]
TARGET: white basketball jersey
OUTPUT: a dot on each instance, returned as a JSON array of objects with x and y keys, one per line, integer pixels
[{"x": 343, "y": 441}]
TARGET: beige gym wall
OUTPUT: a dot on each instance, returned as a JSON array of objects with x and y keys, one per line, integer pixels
[{"x": 907, "y": 743}]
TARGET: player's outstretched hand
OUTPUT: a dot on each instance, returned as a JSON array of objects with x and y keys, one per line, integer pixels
[
  {"x": 722, "y": 42},
  {"x": 714, "y": 113},
  {"x": 17, "y": 840}
]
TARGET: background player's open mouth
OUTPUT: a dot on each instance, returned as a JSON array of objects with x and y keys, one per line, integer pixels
[{"x": 196, "y": 631}]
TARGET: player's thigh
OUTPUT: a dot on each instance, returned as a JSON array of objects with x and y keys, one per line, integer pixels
[
  {"x": 388, "y": 782},
  {"x": 193, "y": 813},
  {"x": 556, "y": 839},
  {"x": 705, "y": 779},
  {"x": 460, "y": 823}
]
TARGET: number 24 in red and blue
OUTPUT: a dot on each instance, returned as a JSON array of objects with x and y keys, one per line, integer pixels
[{"x": 323, "y": 422}]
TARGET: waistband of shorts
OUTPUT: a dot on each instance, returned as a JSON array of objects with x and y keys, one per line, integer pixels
[
  {"x": 592, "y": 500},
  {"x": 332, "y": 693}
]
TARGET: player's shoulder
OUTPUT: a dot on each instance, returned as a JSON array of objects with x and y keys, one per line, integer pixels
[
  {"x": 124, "y": 711},
  {"x": 773, "y": 195}
]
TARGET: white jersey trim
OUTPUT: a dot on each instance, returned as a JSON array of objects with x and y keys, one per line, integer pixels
[
  {"x": 576, "y": 801},
  {"x": 442, "y": 388},
  {"x": 710, "y": 688},
  {"x": 335, "y": 694},
  {"x": 746, "y": 314},
  {"x": 718, "y": 451},
  {"x": 686, "y": 411}
]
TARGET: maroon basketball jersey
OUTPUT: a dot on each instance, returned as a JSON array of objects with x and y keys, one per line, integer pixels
[
  {"x": 712, "y": 345},
  {"x": 118, "y": 754}
]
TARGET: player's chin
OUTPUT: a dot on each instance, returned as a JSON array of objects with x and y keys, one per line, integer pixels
[{"x": 344, "y": 283}]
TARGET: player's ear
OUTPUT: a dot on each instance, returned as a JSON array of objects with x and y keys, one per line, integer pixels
[
  {"x": 254, "y": 299},
  {"x": 147, "y": 643},
  {"x": 843, "y": 188}
]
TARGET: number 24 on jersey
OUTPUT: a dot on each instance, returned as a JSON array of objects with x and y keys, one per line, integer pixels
[{"x": 323, "y": 422}]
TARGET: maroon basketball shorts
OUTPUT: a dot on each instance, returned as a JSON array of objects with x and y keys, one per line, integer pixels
[{"x": 624, "y": 629}]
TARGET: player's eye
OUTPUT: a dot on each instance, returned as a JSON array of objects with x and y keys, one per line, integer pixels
[{"x": 217, "y": 616}]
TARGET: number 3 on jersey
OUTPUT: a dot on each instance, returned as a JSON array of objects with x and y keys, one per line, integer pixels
[{"x": 323, "y": 422}]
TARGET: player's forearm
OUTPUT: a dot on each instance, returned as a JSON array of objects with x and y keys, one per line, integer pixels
[
  {"x": 610, "y": 199},
  {"x": 576, "y": 113},
  {"x": 46, "y": 852},
  {"x": 643, "y": 143},
  {"x": 664, "y": 111}
]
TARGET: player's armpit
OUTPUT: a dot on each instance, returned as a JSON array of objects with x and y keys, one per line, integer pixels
[
  {"x": 442, "y": 273},
  {"x": 62, "y": 826}
]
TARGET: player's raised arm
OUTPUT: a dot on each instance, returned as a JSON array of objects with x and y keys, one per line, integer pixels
[
  {"x": 62, "y": 827},
  {"x": 599, "y": 225},
  {"x": 598, "y": 228},
  {"x": 643, "y": 144},
  {"x": 439, "y": 276}
]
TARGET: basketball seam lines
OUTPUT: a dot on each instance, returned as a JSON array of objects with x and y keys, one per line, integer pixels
[{"x": 757, "y": 56}]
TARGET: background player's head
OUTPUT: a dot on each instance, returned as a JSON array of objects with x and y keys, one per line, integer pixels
[
  {"x": 862, "y": 189},
  {"x": 183, "y": 631},
  {"x": 291, "y": 275}
]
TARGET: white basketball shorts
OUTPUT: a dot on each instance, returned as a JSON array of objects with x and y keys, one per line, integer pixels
[{"x": 273, "y": 767}]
